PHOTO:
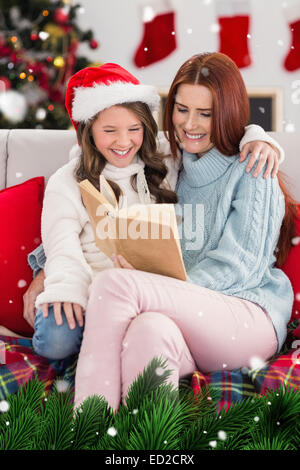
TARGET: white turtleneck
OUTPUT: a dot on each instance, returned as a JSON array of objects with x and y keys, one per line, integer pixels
[{"x": 73, "y": 258}]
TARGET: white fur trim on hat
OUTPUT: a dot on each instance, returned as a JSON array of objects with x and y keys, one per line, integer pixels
[{"x": 89, "y": 101}]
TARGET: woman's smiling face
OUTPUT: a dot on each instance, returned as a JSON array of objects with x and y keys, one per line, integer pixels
[{"x": 192, "y": 118}]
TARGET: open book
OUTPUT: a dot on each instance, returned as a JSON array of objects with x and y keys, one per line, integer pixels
[{"x": 145, "y": 234}]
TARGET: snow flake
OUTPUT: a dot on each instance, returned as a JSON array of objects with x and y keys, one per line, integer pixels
[
  {"x": 4, "y": 406},
  {"x": 62, "y": 385},
  {"x": 269, "y": 403},
  {"x": 257, "y": 363},
  {"x": 213, "y": 443},
  {"x": 22, "y": 283},
  {"x": 297, "y": 296},
  {"x": 224, "y": 366},
  {"x": 7, "y": 423},
  {"x": 200, "y": 314},
  {"x": 159, "y": 371},
  {"x": 249, "y": 36},
  {"x": 222, "y": 435},
  {"x": 280, "y": 42},
  {"x": 290, "y": 127},
  {"x": 295, "y": 241},
  {"x": 256, "y": 418},
  {"x": 214, "y": 27},
  {"x": 145, "y": 49},
  {"x": 40, "y": 114},
  {"x": 43, "y": 35},
  {"x": 99, "y": 298},
  {"x": 262, "y": 109},
  {"x": 278, "y": 423},
  {"x": 205, "y": 71},
  {"x": 112, "y": 431},
  {"x": 135, "y": 411},
  {"x": 19, "y": 174},
  {"x": 189, "y": 30}
]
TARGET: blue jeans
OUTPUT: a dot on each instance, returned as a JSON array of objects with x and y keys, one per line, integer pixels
[{"x": 53, "y": 341}]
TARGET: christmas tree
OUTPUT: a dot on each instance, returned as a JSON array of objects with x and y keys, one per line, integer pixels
[{"x": 39, "y": 40}]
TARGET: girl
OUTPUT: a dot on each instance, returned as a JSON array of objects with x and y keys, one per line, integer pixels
[
  {"x": 112, "y": 114},
  {"x": 236, "y": 303},
  {"x": 106, "y": 128}
]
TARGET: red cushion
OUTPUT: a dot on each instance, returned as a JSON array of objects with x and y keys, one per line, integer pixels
[
  {"x": 291, "y": 267},
  {"x": 20, "y": 213}
]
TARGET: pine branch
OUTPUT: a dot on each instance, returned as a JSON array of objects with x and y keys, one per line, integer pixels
[
  {"x": 91, "y": 421},
  {"x": 21, "y": 432},
  {"x": 55, "y": 431},
  {"x": 153, "y": 376}
]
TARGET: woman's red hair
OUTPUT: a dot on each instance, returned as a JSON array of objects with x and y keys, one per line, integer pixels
[{"x": 230, "y": 115}]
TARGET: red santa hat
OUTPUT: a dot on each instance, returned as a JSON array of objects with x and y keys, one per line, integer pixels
[{"x": 93, "y": 89}]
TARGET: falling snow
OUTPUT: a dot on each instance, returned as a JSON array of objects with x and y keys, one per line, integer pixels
[
  {"x": 222, "y": 435},
  {"x": 257, "y": 363},
  {"x": 112, "y": 431},
  {"x": 4, "y": 406},
  {"x": 159, "y": 371},
  {"x": 290, "y": 127},
  {"x": 22, "y": 283},
  {"x": 295, "y": 241},
  {"x": 62, "y": 385},
  {"x": 205, "y": 71}
]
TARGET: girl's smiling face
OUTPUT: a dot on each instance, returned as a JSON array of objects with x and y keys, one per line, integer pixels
[
  {"x": 118, "y": 135},
  {"x": 192, "y": 118}
]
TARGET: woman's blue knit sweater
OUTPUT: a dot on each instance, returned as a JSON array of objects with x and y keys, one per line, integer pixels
[{"x": 236, "y": 219}]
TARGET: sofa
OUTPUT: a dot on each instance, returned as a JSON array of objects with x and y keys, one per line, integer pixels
[{"x": 28, "y": 157}]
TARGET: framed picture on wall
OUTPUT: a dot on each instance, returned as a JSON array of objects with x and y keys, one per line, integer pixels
[{"x": 266, "y": 107}]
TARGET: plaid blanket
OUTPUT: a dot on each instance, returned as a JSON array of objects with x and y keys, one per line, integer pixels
[
  {"x": 236, "y": 385},
  {"x": 19, "y": 363}
]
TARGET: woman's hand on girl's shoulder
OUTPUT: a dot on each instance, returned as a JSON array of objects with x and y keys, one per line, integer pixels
[
  {"x": 265, "y": 153},
  {"x": 121, "y": 262}
]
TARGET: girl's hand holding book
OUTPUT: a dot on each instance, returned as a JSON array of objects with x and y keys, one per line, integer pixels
[{"x": 121, "y": 262}]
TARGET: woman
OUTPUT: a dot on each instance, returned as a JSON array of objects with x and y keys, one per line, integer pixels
[{"x": 236, "y": 303}]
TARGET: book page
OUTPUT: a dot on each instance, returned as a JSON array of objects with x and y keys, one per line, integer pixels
[{"x": 107, "y": 191}]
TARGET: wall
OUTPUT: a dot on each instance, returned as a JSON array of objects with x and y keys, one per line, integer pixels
[{"x": 118, "y": 27}]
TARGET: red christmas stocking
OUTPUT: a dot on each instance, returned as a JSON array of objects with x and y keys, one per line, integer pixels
[
  {"x": 159, "y": 33},
  {"x": 234, "y": 23},
  {"x": 292, "y": 60}
]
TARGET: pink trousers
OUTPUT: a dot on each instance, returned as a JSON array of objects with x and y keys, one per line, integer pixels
[{"x": 133, "y": 316}]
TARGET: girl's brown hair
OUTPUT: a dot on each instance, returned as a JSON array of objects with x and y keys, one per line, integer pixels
[
  {"x": 92, "y": 162},
  {"x": 230, "y": 115}
]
